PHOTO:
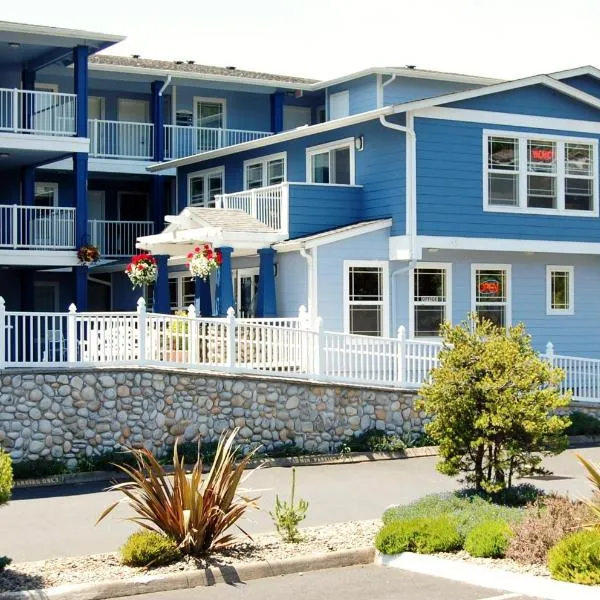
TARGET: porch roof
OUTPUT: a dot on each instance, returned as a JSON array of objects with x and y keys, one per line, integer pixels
[{"x": 220, "y": 227}]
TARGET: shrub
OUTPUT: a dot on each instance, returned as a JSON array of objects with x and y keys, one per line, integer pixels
[
  {"x": 149, "y": 548},
  {"x": 544, "y": 524},
  {"x": 189, "y": 452},
  {"x": 375, "y": 440},
  {"x": 493, "y": 402},
  {"x": 107, "y": 461},
  {"x": 287, "y": 516},
  {"x": 41, "y": 467},
  {"x": 593, "y": 475},
  {"x": 583, "y": 424},
  {"x": 518, "y": 495},
  {"x": 423, "y": 535},
  {"x": 6, "y": 477},
  {"x": 4, "y": 562},
  {"x": 466, "y": 511},
  {"x": 194, "y": 510},
  {"x": 576, "y": 558},
  {"x": 490, "y": 539}
]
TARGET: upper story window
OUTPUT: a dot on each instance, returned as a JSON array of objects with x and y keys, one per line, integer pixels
[
  {"x": 46, "y": 194},
  {"x": 331, "y": 163},
  {"x": 209, "y": 112},
  {"x": 339, "y": 105},
  {"x": 540, "y": 174},
  {"x": 267, "y": 170},
  {"x": 203, "y": 186}
]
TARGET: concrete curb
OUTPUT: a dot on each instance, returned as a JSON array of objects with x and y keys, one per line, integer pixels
[
  {"x": 292, "y": 461},
  {"x": 191, "y": 579},
  {"x": 489, "y": 577}
]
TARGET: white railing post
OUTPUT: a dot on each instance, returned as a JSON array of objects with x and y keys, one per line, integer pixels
[
  {"x": 401, "y": 354},
  {"x": 142, "y": 316},
  {"x": 94, "y": 150},
  {"x": 284, "y": 209},
  {"x": 253, "y": 204},
  {"x": 15, "y": 110},
  {"x": 15, "y": 226},
  {"x": 231, "y": 347},
  {"x": 192, "y": 341},
  {"x": 3, "y": 332},
  {"x": 72, "y": 335},
  {"x": 550, "y": 352},
  {"x": 319, "y": 348}
]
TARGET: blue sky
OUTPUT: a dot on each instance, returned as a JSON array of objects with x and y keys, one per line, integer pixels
[{"x": 327, "y": 38}]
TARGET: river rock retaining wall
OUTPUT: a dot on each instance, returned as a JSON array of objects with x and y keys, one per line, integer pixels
[{"x": 63, "y": 414}]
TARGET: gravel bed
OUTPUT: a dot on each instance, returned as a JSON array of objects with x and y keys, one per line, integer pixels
[
  {"x": 505, "y": 564},
  {"x": 265, "y": 547}
]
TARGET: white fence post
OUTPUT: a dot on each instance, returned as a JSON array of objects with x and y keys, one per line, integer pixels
[
  {"x": 231, "y": 348},
  {"x": 550, "y": 352},
  {"x": 192, "y": 335},
  {"x": 142, "y": 316},
  {"x": 3, "y": 332},
  {"x": 72, "y": 335},
  {"x": 15, "y": 226},
  {"x": 401, "y": 354},
  {"x": 319, "y": 349}
]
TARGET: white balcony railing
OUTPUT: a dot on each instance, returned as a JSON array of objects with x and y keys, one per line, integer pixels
[
  {"x": 267, "y": 204},
  {"x": 117, "y": 238},
  {"x": 43, "y": 113},
  {"x": 121, "y": 139},
  {"x": 37, "y": 227},
  {"x": 181, "y": 141}
]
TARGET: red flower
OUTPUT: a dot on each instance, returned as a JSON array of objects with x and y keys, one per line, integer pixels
[{"x": 197, "y": 249}]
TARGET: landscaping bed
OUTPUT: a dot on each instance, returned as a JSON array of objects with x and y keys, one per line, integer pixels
[{"x": 266, "y": 547}]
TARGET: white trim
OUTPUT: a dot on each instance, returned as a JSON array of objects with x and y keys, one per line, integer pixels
[
  {"x": 264, "y": 160},
  {"x": 41, "y": 258},
  {"x": 560, "y": 174},
  {"x": 50, "y": 184},
  {"x": 208, "y": 99},
  {"x": 469, "y": 115},
  {"x": 46, "y": 143},
  {"x": 447, "y": 268},
  {"x": 322, "y": 148},
  {"x": 550, "y": 269},
  {"x": 9, "y": 26},
  {"x": 204, "y": 174},
  {"x": 379, "y": 90},
  {"x": 108, "y": 165},
  {"x": 585, "y": 70},
  {"x": 385, "y": 302},
  {"x": 508, "y": 284},
  {"x": 500, "y": 245}
]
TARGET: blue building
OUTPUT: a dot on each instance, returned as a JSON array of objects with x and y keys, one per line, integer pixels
[{"x": 388, "y": 197}]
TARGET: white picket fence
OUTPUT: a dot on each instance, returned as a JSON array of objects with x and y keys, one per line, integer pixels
[{"x": 276, "y": 346}]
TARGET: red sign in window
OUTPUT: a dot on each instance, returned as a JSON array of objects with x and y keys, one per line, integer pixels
[
  {"x": 542, "y": 154},
  {"x": 489, "y": 287}
]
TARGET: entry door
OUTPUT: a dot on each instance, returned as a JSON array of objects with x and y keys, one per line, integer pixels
[
  {"x": 134, "y": 141},
  {"x": 246, "y": 290}
]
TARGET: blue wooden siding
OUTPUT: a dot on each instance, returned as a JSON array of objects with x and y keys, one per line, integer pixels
[
  {"x": 291, "y": 283},
  {"x": 585, "y": 83},
  {"x": 362, "y": 93},
  {"x": 537, "y": 100},
  {"x": 405, "y": 89},
  {"x": 450, "y": 189}
]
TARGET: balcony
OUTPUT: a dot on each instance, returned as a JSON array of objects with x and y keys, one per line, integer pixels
[
  {"x": 37, "y": 227},
  {"x": 117, "y": 239},
  {"x": 121, "y": 139},
  {"x": 36, "y": 112},
  {"x": 181, "y": 141}
]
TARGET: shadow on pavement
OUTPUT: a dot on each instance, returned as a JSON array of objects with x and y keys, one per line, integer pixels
[{"x": 51, "y": 491}]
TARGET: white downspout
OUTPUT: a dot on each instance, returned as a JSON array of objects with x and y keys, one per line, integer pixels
[
  {"x": 311, "y": 281},
  {"x": 382, "y": 94},
  {"x": 165, "y": 84}
]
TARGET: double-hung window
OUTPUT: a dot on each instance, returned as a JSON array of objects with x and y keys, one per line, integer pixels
[
  {"x": 331, "y": 163},
  {"x": 365, "y": 289},
  {"x": 490, "y": 295},
  {"x": 540, "y": 174},
  {"x": 560, "y": 290},
  {"x": 203, "y": 186},
  {"x": 182, "y": 290},
  {"x": 264, "y": 171},
  {"x": 431, "y": 285}
]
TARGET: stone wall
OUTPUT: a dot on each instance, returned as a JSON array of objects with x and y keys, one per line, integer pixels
[{"x": 64, "y": 414}]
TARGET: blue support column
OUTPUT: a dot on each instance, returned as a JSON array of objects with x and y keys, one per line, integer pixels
[
  {"x": 80, "y": 273},
  {"x": 158, "y": 202},
  {"x": 277, "y": 112},
  {"x": 202, "y": 297},
  {"x": 158, "y": 118},
  {"x": 28, "y": 186},
  {"x": 28, "y": 106},
  {"x": 266, "y": 302},
  {"x": 80, "y": 72},
  {"x": 162, "y": 303},
  {"x": 80, "y": 181},
  {"x": 224, "y": 283}
]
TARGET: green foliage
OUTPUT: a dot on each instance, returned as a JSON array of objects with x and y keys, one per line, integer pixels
[
  {"x": 376, "y": 441},
  {"x": 423, "y": 535},
  {"x": 593, "y": 475},
  {"x": 287, "y": 516},
  {"x": 6, "y": 477},
  {"x": 149, "y": 548},
  {"x": 287, "y": 450},
  {"x": 490, "y": 539},
  {"x": 28, "y": 469},
  {"x": 583, "y": 424},
  {"x": 4, "y": 562},
  {"x": 493, "y": 402},
  {"x": 517, "y": 495},
  {"x": 190, "y": 451},
  {"x": 576, "y": 558},
  {"x": 107, "y": 461},
  {"x": 467, "y": 512}
]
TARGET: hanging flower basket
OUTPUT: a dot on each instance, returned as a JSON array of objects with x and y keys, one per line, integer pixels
[
  {"x": 142, "y": 270},
  {"x": 203, "y": 261},
  {"x": 88, "y": 255}
]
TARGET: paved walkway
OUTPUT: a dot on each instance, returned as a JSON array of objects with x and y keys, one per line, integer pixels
[
  {"x": 56, "y": 521},
  {"x": 350, "y": 583}
]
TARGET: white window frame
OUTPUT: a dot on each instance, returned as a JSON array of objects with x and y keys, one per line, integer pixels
[
  {"x": 550, "y": 269},
  {"x": 264, "y": 161},
  {"x": 205, "y": 173},
  {"x": 493, "y": 267},
  {"x": 102, "y": 105},
  {"x": 385, "y": 303},
  {"x": 343, "y": 95},
  {"x": 178, "y": 276},
  {"x": 560, "y": 174},
  {"x": 447, "y": 268},
  {"x": 50, "y": 184},
  {"x": 238, "y": 275},
  {"x": 199, "y": 99},
  {"x": 320, "y": 149}
]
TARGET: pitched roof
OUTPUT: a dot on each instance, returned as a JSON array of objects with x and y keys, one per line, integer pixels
[{"x": 226, "y": 219}]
